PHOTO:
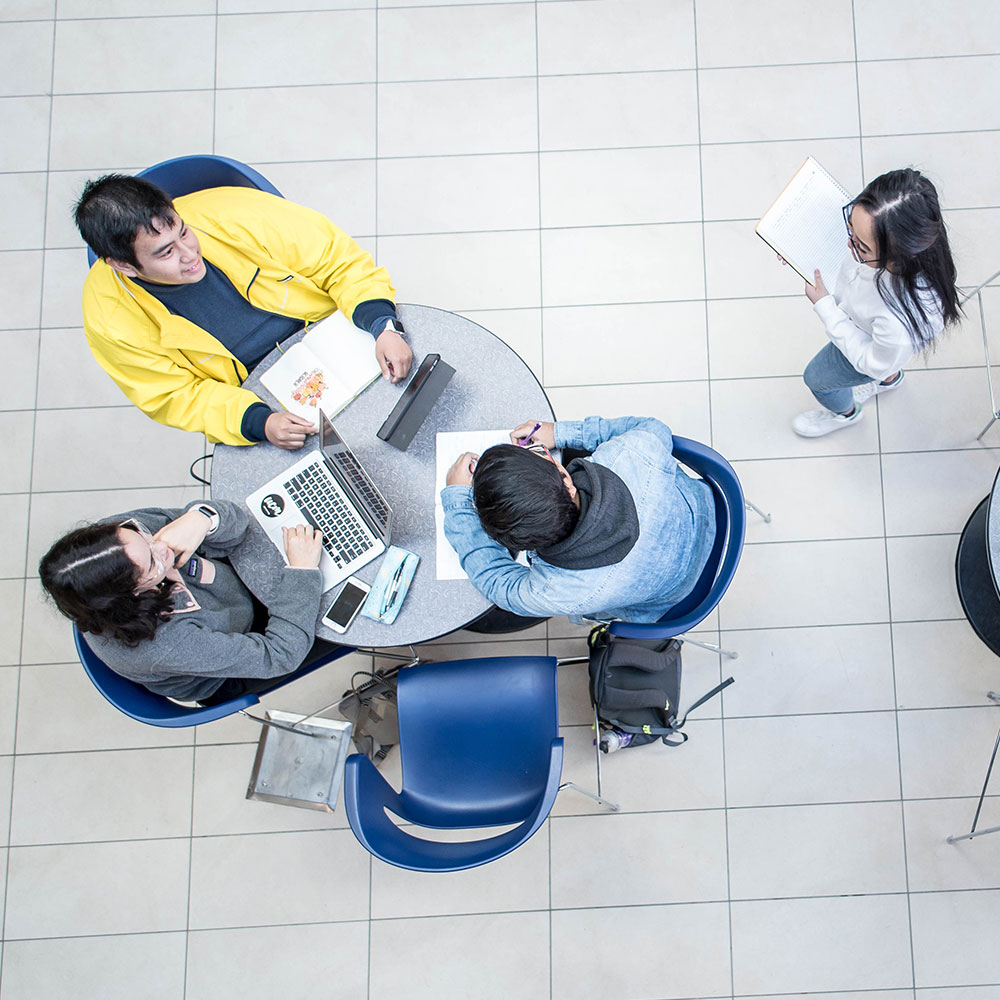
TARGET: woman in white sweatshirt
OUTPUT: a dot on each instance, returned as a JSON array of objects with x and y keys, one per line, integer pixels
[{"x": 891, "y": 298}]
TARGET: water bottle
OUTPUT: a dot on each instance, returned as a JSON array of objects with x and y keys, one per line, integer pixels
[{"x": 614, "y": 739}]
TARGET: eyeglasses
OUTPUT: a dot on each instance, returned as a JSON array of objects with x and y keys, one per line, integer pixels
[
  {"x": 539, "y": 449},
  {"x": 156, "y": 565},
  {"x": 859, "y": 253}
]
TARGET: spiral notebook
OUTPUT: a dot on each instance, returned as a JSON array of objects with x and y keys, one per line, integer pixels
[{"x": 805, "y": 225}]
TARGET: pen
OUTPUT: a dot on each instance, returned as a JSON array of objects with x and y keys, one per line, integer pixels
[
  {"x": 523, "y": 443},
  {"x": 392, "y": 590}
]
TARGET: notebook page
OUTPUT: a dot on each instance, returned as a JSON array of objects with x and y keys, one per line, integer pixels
[
  {"x": 347, "y": 352},
  {"x": 806, "y": 223}
]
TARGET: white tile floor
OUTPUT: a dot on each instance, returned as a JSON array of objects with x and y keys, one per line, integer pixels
[{"x": 557, "y": 170}]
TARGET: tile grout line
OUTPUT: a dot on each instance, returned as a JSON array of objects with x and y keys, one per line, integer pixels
[
  {"x": 541, "y": 381},
  {"x": 711, "y": 438},
  {"x": 888, "y": 575},
  {"x": 31, "y": 467},
  {"x": 541, "y": 230}
]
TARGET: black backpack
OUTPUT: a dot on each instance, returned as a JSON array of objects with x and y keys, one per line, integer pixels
[{"x": 635, "y": 684}]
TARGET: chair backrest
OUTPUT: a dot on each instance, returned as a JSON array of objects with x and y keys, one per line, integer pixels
[
  {"x": 730, "y": 529},
  {"x": 143, "y": 705},
  {"x": 504, "y": 738},
  {"x": 185, "y": 174}
]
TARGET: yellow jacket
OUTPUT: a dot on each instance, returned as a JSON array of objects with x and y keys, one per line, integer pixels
[{"x": 281, "y": 256}]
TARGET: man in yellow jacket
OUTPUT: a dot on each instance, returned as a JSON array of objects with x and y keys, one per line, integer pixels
[{"x": 189, "y": 295}]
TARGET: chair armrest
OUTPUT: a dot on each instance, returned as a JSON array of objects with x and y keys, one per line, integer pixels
[{"x": 367, "y": 794}]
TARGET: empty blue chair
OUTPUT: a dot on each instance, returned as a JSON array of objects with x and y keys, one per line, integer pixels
[
  {"x": 480, "y": 746},
  {"x": 184, "y": 174},
  {"x": 143, "y": 705},
  {"x": 730, "y": 528}
]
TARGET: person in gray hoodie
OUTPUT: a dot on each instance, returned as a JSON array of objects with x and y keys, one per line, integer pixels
[{"x": 160, "y": 605}]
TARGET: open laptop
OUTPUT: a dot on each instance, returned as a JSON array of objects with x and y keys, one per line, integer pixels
[{"x": 330, "y": 490}]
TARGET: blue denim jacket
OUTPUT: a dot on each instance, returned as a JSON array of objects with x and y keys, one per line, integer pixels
[{"x": 676, "y": 531}]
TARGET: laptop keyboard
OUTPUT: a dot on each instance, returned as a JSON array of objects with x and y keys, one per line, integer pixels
[
  {"x": 344, "y": 537},
  {"x": 351, "y": 468}
]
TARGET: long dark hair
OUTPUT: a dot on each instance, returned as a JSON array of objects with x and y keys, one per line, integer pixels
[
  {"x": 912, "y": 245},
  {"x": 521, "y": 499},
  {"x": 92, "y": 581}
]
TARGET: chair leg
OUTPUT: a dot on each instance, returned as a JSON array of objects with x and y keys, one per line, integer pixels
[
  {"x": 613, "y": 806},
  {"x": 993, "y": 420},
  {"x": 767, "y": 517},
  {"x": 731, "y": 654},
  {"x": 993, "y": 696}
]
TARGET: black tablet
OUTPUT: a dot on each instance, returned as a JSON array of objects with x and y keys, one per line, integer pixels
[{"x": 419, "y": 396}]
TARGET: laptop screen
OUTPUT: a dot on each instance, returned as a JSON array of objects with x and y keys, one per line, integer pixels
[{"x": 350, "y": 473}]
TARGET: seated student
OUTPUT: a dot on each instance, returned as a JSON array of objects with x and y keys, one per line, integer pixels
[
  {"x": 190, "y": 295},
  {"x": 161, "y": 607},
  {"x": 621, "y": 534}
]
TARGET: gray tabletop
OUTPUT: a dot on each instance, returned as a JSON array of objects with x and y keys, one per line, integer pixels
[{"x": 492, "y": 387}]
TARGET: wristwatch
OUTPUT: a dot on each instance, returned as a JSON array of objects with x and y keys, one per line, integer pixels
[
  {"x": 395, "y": 325},
  {"x": 211, "y": 514}
]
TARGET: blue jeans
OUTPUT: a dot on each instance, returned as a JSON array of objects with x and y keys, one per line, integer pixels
[{"x": 830, "y": 377}]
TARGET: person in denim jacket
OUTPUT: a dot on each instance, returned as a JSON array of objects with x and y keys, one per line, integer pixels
[{"x": 623, "y": 533}]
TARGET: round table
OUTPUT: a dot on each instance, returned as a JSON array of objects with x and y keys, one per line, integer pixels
[
  {"x": 976, "y": 564},
  {"x": 491, "y": 388}
]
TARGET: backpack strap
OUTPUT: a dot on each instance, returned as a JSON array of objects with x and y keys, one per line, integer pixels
[
  {"x": 649, "y": 661},
  {"x": 705, "y": 697}
]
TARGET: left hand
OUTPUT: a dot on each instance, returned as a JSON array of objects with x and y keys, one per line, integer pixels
[
  {"x": 817, "y": 292},
  {"x": 185, "y": 534},
  {"x": 460, "y": 474},
  {"x": 393, "y": 355}
]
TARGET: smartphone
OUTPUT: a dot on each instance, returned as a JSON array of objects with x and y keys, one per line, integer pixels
[{"x": 346, "y": 604}]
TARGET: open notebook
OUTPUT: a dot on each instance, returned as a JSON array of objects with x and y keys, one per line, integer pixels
[
  {"x": 328, "y": 367},
  {"x": 805, "y": 225}
]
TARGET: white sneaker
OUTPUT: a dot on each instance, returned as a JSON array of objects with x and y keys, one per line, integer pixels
[
  {"x": 869, "y": 389},
  {"x": 816, "y": 423}
]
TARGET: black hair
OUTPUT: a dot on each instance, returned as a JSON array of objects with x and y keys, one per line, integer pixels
[
  {"x": 115, "y": 208},
  {"x": 912, "y": 246},
  {"x": 521, "y": 499},
  {"x": 92, "y": 580}
]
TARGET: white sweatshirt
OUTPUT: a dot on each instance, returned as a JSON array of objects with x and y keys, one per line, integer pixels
[{"x": 867, "y": 332}]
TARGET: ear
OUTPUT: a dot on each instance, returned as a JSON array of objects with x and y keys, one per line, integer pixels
[
  {"x": 129, "y": 270},
  {"x": 567, "y": 481}
]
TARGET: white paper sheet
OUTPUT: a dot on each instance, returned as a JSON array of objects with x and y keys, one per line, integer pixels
[{"x": 451, "y": 444}]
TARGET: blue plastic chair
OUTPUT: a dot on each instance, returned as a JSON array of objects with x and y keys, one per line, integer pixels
[
  {"x": 480, "y": 746},
  {"x": 185, "y": 174},
  {"x": 143, "y": 705},
  {"x": 730, "y": 529}
]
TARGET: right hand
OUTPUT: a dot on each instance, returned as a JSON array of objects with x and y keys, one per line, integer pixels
[
  {"x": 303, "y": 546},
  {"x": 546, "y": 434},
  {"x": 287, "y": 430}
]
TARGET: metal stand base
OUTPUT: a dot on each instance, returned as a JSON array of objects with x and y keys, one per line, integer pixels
[{"x": 993, "y": 696}]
